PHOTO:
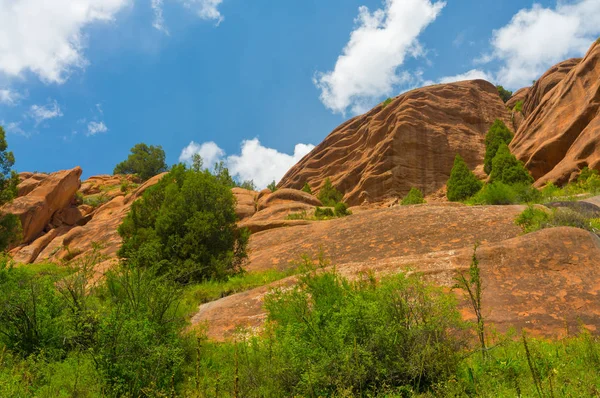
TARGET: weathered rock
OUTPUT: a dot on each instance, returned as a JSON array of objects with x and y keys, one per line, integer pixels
[
  {"x": 562, "y": 134},
  {"x": 245, "y": 202},
  {"x": 409, "y": 143},
  {"x": 37, "y": 208},
  {"x": 67, "y": 216},
  {"x": 287, "y": 196},
  {"x": 30, "y": 183},
  {"x": 518, "y": 96}
]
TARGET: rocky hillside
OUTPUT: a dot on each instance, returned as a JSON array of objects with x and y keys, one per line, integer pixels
[{"x": 411, "y": 142}]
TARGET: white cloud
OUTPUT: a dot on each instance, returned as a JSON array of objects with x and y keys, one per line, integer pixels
[
  {"x": 473, "y": 74},
  {"x": 96, "y": 128},
  {"x": 9, "y": 97},
  {"x": 159, "y": 20},
  {"x": 539, "y": 37},
  {"x": 15, "y": 128},
  {"x": 255, "y": 162},
  {"x": 209, "y": 151},
  {"x": 367, "y": 69},
  {"x": 206, "y": 9},
  {"x": 46, "y": 37},
  {"x": 39, "y": 113}
]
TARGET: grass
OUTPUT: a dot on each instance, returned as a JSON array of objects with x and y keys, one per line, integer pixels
[{"x": 97, "y": 200}]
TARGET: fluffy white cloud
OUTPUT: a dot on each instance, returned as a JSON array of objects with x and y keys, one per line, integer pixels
[
  {"x": 209, "y": 151},
  {"x": 9, "y": 97},
  {"x": 255, "y": 162},
  {"x": 39, "y": 113},
  {"x": 14, "y": 128},
  {"x": 470, "y": 75},
  {"x": 367, "y": 69},
  {"x": 45, "y": 37},
  {"x": 206, "y": 9},
  {"x": 96, "y": 128},
  {"x": 159, "y": 20},
  {"x": 539, "y": 37}
]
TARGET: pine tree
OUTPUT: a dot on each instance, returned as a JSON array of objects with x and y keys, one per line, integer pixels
[
  {"x": 497, "y": 135},
  {"x": 508, "y": 170},
  {"x": 462, "y": 183}
]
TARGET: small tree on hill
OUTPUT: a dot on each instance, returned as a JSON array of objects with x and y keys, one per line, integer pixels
[
  {"x": 272, "y": 186},
  {"x": 306, "y": 188},
  {"x": 497, "y": 135},
  {"x": 504, "y": 93},
  {"x": 508, "y": 170},
  {"x": 145, "y": 161},
  {"x": 10, "y": 225},
  {"x": 328, "y": 195},
  {"x": 462, "y": 183},
  {"x": 414, "y": 197}
]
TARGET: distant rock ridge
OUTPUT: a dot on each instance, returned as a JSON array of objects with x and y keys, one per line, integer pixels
[{"x": 411, "y": 142}]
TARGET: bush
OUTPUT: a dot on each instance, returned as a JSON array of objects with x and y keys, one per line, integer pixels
[
  {"x": 414, "y": 197},
  {"x": 272, "y": 186},
  {"x": 496, "y": 193},
  {"x": 328, "y": 195},
  {"x": 325, "y": 212},
  {"x": 532, "y": 219},
  {"x": 145, "y": 161},
  {"x": 507, "y": 169},
  {"x": 462, "y": 183},
  {"x": 497, "y": 135},
  {"x": 187, "y": 225},
  {"x": 518, "y": 106},
  {"x": 306, "y": 188},
  {"x": 386, "y": 102},
  {"x": 10, "y": 225},
  {"x": 504, "y": 94},
  {"x": 341, "y": 210}
]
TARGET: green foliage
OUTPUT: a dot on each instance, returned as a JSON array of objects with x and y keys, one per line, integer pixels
[
  {"x": 341, "y": 210},
  {"x": 503, "y": 93},
  {"x": 303, "y": 215},
  {"x": 586, "y": 174},
  {"x": 145, "y": 161},
  {"x": 414, "y": 197},
  {"x": 272, "y": 186},
  {"x": 331, "y": 337},
  {"x": 462, "y": 183},
  {"x": 324, "y": 213},
  {"x": 507, "y": 169},
  {"x": 498, "y": 193},
  {"x": 386, "y": 102},
  {"x": 186, "y": 226},
  {"x": 248, "y": 184},
  {"x": 10, "y": 225},
  {"x": 518, "y": 106},
  {"x": 96, "y": 200},
  {"x": 497, "y": 135},
  {"x": 306, "y": 188},
  {"x": 328, "y": 195},
  {"x": 532, "y": 219}
]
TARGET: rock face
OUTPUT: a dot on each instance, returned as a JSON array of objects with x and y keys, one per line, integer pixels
[
  {"x": 43, "y": 197},
  {"x": 411, "y": 142},
  {"x": 562, "y": 134}
]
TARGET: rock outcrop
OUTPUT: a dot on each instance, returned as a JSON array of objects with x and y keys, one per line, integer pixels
[
  {"x": 561, "y": 135},
  {"x": 411, "y": 142},
  {"x": 42, "y": 196}
]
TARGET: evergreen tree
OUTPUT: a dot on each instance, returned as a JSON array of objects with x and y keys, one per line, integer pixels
[
  {"x": 462, "y": 183},
  {"x": 497, "y": 135},
  {"x": 306, "y": 188},
  {"x": 328, "y": 195},
  {"x": 145, "y": 161},
  {"x": 508, "y": 170}
]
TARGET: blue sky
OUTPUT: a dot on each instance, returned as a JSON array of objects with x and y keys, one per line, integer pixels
[{"x": 253, "y": 83}]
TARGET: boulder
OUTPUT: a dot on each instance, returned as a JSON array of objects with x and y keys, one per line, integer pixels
[
  {"x": 411, "y": 142},
  {"x": 286, "y": 195},
  {"x": 245, "y": 202}
]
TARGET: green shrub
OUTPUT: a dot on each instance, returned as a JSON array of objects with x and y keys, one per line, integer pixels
[
  {"x": 10, "y": 225},
  {"x": 185, "y": 224},
  {"x": 328, "y": 195},
  {"x": 297, "y": 216},
  {"x": 272, "y": 186},
  {"x": 495, "y": 193},
  {"x": 518, "y": 106},
  {"x": 145, "y": 161},
  {"x": 462, "y": 183},
  {"x": 507, "y": 169},
  {"x": 341, "y": 210},
  {"x": 532, "y": 219},
  {"x": 306, "y": 188},
  {"x": 324, "y": 212},
  {"x": 248, "y": 184},
  {"x": 97, "y": 200},
  {"x": 497, "y": 135},
  {"x": 386, "y": 102},
  {"x": 414, "y": 197},
  {"x": 503, "y": 93}
]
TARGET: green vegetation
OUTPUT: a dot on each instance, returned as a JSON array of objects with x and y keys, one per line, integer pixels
[
  {"x": 386, "y": 102},
  {"x": 306, "y": 188},
  {"x": 328, "y": 195},
  {"x": 462, "y": 183},
  {"x": 504, "y": 94},
  {"x": 10, "y": 225},
  {"x": 185, "y": 226},
  {"x": 536, "y": 218},
  {"x": 96, "y": 200},
  {"x": 414, "y": 197},
  {"x": 497, "y": 135},
  {"x": 323, "y": 213},
  {"x": 518, "y": 106},
  {"x": 272, "y": 186},
  {"x": 508, "y": 170},
  {"x": 144, "y": 161}
]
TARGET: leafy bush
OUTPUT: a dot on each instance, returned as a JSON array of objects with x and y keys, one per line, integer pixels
[
  {"x": 341, "y": 210},
  {"x": 185, "y": 224},
  {"x": 386, "y": 102},
  {"x": 96, "y": 200},
  {"x": 414, "y": 197},
  {"x": 495, "y": 193},
  {"x": 504, "y": 94},
  {"x": 507, "y": 169},
  {"x": 518, "y": 106},
  {"x": 324, "y": 212},
  {"x": 272, "y": 186},
  {"x": 328, "y": 195},
  {"x": 532, "y": 219},
  {"x": 306, "y": 188},
  {"x": 297, "y": 216},
  {"x": 462, "y": 183},
  {"x": 10, "y": 225},
  {"x": 497, "y": 135},
  {"x": 145, "y": 161}
]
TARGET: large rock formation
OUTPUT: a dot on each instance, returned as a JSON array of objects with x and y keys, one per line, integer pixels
[
  {"x": 561, "y": 135},
  {"x": 411, "y": 142},
  {"x": 42, "y": 196}
]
